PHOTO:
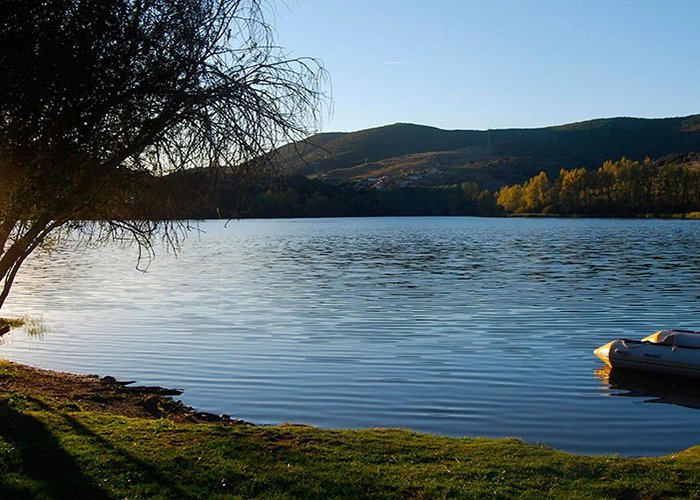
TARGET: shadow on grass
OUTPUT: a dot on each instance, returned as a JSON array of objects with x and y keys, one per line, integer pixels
[
  {"x": 148, "y": 474},
  {"x": 36, "y": 464},
  {"x": 50, "y": 470}
]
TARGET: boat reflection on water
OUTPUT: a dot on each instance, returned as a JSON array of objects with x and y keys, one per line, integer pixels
[{"x": 658, "y": 388}]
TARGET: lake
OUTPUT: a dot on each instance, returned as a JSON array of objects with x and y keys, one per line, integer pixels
[{"x": 457, "y": 326}]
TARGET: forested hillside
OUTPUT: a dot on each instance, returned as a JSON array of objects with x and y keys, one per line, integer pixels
[
  {"x": 664, "y": 187},
  {"x": 402, "y": 155},
  {"x": 608, "y": 167}
]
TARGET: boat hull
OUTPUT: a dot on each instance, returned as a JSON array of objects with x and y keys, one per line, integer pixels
[{"x": 649, "y": 356}]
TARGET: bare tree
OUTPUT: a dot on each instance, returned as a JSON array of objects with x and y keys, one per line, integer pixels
[{"x": 100, "y": 97}]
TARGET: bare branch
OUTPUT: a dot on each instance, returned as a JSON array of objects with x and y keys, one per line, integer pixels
[{"x": 103, "y": 102}]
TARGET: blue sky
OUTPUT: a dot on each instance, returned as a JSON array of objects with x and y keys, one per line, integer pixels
[{"x": 498, "y": 63}]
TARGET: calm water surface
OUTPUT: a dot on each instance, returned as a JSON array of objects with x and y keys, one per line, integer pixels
[{"x": 458, "y": 326}]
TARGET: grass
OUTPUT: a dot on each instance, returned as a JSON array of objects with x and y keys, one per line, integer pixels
[
  {"x": 32, "y": 325},
  {"x": 69, "y": 446},
  {"x": 13, "y": 322}
]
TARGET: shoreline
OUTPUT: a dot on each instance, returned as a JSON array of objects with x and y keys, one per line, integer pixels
[
  {"x": 107, "y": 394},
  {"x": 104, "y": 393},
  {"x": 64, "y": 435}
]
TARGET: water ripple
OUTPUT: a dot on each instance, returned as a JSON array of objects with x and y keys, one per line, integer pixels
[{"x": 458, "y": 326}]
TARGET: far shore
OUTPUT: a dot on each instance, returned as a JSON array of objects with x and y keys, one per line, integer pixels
[
  {"x": 524, "y": 215},
  {"x": 539, "y": 215}
]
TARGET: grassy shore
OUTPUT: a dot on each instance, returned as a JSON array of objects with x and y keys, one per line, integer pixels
[{"x": 71, "y": 436}]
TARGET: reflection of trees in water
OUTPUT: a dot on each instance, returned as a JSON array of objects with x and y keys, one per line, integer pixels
[{"x": 657, "y": 388}]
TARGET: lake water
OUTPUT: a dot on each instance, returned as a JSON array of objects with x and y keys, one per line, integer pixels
[{"x": 457, "y": 326}]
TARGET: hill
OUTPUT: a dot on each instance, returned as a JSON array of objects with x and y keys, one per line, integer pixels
[{"x": 405, "y": 154}]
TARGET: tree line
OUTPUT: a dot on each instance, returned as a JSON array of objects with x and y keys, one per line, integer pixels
[
  {"x": 618, "y": 188},
  {"x": 299, "y": 196}
]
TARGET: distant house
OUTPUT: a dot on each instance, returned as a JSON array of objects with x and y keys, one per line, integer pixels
[{"x": 380, "y": 184}]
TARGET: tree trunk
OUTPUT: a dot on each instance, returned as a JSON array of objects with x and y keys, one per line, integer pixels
[{"x": 14, "y": 255}]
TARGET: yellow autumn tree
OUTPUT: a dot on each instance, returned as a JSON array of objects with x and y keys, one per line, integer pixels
[{"x": 536, "y": 194}]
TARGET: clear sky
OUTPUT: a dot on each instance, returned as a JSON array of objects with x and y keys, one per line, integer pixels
[{"x": 498, "y": 63}]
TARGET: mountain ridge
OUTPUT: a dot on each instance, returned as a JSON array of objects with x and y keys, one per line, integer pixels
[{"x": 406, "y": 153}]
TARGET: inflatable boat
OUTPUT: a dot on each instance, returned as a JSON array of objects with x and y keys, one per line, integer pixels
[{"x": 674, "y": 352}]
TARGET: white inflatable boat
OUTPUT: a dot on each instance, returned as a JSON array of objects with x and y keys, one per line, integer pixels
[{"x": 675, "y": 352}]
